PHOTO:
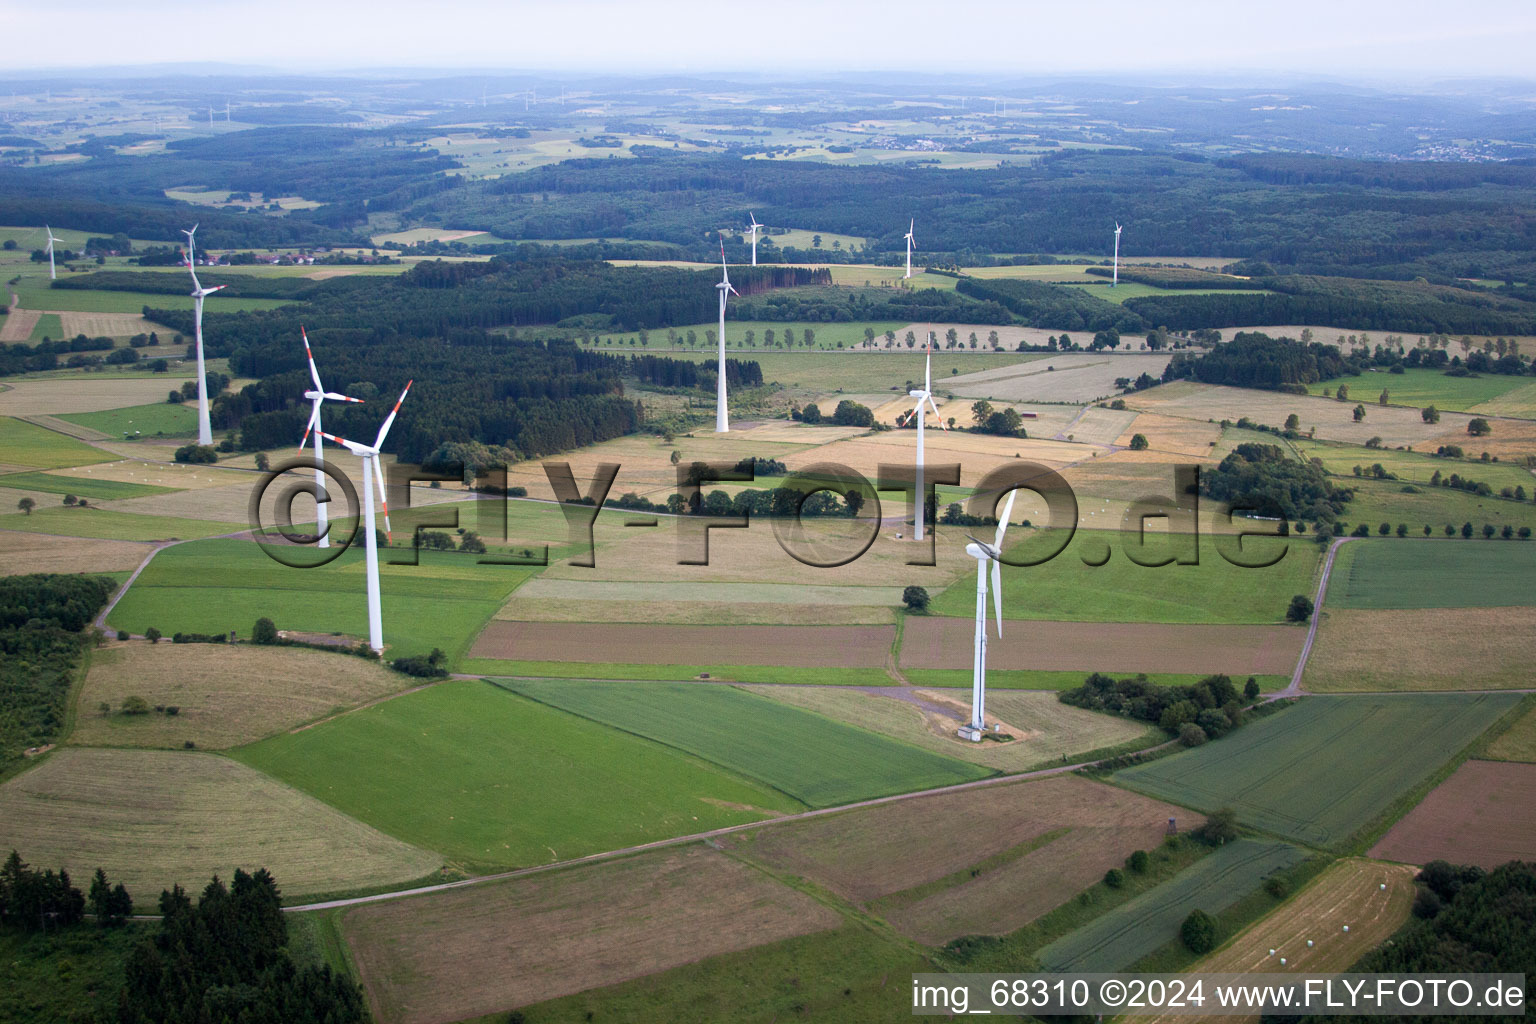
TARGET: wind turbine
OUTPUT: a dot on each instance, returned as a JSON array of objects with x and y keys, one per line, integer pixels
[
  {"x": 1117, "y": 257},
  {"x": 984, "y": 553},
  {"x": 373, "y": 475},
  {"x": 722, "y": 414},
  {"x": 316, "y": 397},
  {"x": 925, "y": 395},
  {"x": 199, "y": 293},
  {"x": 52, "y": 274},
  {"x": 755, "y": 226},
  {"x": 910, "y": 243}
]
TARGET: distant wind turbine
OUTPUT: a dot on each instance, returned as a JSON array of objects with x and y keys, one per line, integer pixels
[
  {"x": 923, "y": 396},
  {"x": 722, "y": 414},
  {"x": 755, "y": 226},
  {"x": 910, "y": 243},
  {"x": 52, "y": 273},
  {"x": 199, "y": 293},
  {"x": 373, "y": 476},
  {"x": 984, "y": 553},
  {"x": 1117, "y": 256},
  {"x": 316, "y": 398}
]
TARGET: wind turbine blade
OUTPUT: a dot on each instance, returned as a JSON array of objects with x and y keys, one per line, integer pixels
[
  {"x": 333, "y": 396},
  {"x": 351, "y": 446},
  {"x": 733, "y": 289},
  {"x": 928, "y": 364},
  {"x": 1002, "y": 520},
  {"x": 997, "y": 595},
  {"x": 314, "y": 374},
  {"x": 936, "y": 415},
  {"x": 314, "y": 414},
  {"x": 391, "y": 417},
  {"x": 378, "y": 478}
]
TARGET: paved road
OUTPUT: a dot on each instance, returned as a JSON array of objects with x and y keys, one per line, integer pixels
[{"x": 1294, "y": 689}]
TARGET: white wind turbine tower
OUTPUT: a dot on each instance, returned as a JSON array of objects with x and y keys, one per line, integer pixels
[
  {"x": 52, "y": 274},
  {"x": 1116, "y": 279},
  {"x": 984, "y": 553},
  {"x": 923, "y": 396},
  {"x": 199, "y": 293},
  {"x": 373, "y": 476},
  {"x": 755, "y": 226},
  {"x": 910, "y": 243},
  {"x": 722, "y": 414},
  {"x": 316, "y": 398}
]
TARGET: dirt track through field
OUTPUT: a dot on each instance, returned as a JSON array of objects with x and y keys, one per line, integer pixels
[
  {"x": 1106, "y": 647},
  {"x": 645, "y": 644}
]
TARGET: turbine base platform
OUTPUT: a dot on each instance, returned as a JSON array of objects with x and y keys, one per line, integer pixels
[{"x": 970, "y": 733}]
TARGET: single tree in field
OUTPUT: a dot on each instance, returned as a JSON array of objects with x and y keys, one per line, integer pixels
[
  {"x": 1139, "y": 443},
  {"x": 26, "y": 505},
  {"x": 1292, "y": 422},
  {"x": 890, "y": 338},
  {"x": 1488, "y": 531},
  {"x": 675, "y": 457},
  {"x": 992, "y": 338},
  {"x": 980, "y": 411},
  {"x": 1430, "y": 414},
  {"x": 1402, "y": 529},
  {"x": 1198, "y": 932},
  {"x": 854, "y": 501},
  {"x": 1300, "y": 609},
  {"x": 263, "y": 463},
  {"x": 1383, "y": 399},
  {"x": 915, "y": 598},
  {"x": 152, "y": 635},
  {"x": 910, "y": 339},
  {"x": 1359, "y": 413},
  {"x": 1251, "y": 689},
  {"x": 869, "y": 337},
  {"x": 1466, "y": 531},
  {"x": 1342, "y": 394},
  {"x": 1478, "y": 427},
  {"x": 264, "y": 632}
]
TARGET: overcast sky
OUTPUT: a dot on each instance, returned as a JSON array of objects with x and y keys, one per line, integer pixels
[{"x": 1399, "y": 40}]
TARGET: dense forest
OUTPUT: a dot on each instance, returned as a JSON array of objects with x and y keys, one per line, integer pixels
[
  {"x": 1045, "y": 305},
  {"x": 1260, "y": 479},
  {"x": 1255, "y": 360}
]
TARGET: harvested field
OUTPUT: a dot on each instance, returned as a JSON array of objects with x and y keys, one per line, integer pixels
[
  {"x": 1425, "y": 649},
  {"x": 805, "y": 646},
  {"x": 1119, "y": 647},
  {"x": 1331, "y": 419},
  {"x": 112, "y": 325},
  {"x": 1348, "y": 892},
  {"x": 1518, "y": 742},
  {"x": 152, "y": 818},
  {"x": 1169, "y": 439},
  {"x": 1076, "y": 377},
  {"x": 1126, "y": 934},
  {"x": 38, "y": 552},
  {"x": 179, "y": 476},
  {"x": 1324, "y": 769},
  {"x": 226, "y": 695},
  {"x": 816, "y": 760},
  {"x": 573, "y": 600},
  {"x": 486, "y": 949},
  {"x": 935, "y": 836},
  {"x": 80, "y": 394},
  {"x": 1511, "y": 439},
  {"x": 17, "y": 325},
  {"x": 1484, "y": 814},
  {"x": 1045, "y": 729}
]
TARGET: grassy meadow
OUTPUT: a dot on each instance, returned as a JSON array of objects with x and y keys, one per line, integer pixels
[
  {"x": 26, "y": 444},
  {"x": 1421, "y": 387},
  {"x": 491, "y": 779},
  {"x": 155, "y": 418}
]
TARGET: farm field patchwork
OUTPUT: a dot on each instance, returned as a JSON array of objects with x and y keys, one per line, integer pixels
[
  {"x": 1045, "y": 729},
  {"x": 81, "y": 486},
  {"x": 1519, "y": 402},
  {"x": 1432, "y": 574},
  {"x": 1421, "y": 649},
  {"x": 850, "y": 852},
  {"x": 1412, "y": 467},
  {"x": 225, "y": 695},
  {"x": 1116, "y": 647},
  {"x": 447, "y": 956},
  {"x": 1348, "y": 892},
  {"x": 1419, "y": 387},
  {"x": 489, "y": 778},
  {"x": 1321, "y": 771},
  {"x": 1214, "y": 591},
  {"x": 1123, "y": 936},
  {"x": 1484, "y": 814},
  {"x": 1069, "y": 377},
  {"x": 152, "y": 818},
  {"x": 795, "y": 646},
  {"x": 25, "y": 444},
  {"x": 816, "y": 760},
  {"x": 220, "y": 585}
]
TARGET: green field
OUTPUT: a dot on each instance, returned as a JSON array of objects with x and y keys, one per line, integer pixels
[
  {"x": 85, "y": 487},
  {"x": 48, "y": 326},
  {"x": 1136, "y": 290},
  {"x": 1214, "y": 591},
  {"x": 26, "y": 444},
  {"x": 1123, "y": 936},
  {"x": 148, "y": 420},
  {"x": 1518, "y": 743},
  {"x": 34, "y": 293},
  {"x": 491, "y": 779},
  {"x": 813, "y": 759},
  {"x": 1413, "y": 467},
  {"x": 849, "y": 975},
  {"x": 1011, "y": 679},
  {"x": 1433, "y": 574},
  {"x": 220, "y": 585},
  {"x": 104, "y": 524},
  {"x": 1323, "y": 770},
  {"x": 1383, "y": 501},
  {"x": 1419, "y": 387}
]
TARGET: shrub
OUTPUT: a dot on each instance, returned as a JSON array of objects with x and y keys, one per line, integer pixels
[
  {"x": 264, "y": 632},
  {"x": 1220, "y": 827},
  {"x": 915, "y": 598},
  {"x": 1138, "y": 861},
  {"x": 1300, "y": 609},
  {"x": 1114, "y": 878},
  {"x": 135, "y": 705},
  {"x": 1198, "y": 932},
  {"x": 1214, "y": 723},
  {"x": 152, "y": 635},
  {"x": 196, "y": 453},
  {"x": 429, "y": 666},
  {"x": 1191, "y": 735},
  {"x": 1277, "y": 887},
  {"x": 172, "y": 710},
  {"x": 122, "y": 634},
  {"x": 1251, "y": 689}
]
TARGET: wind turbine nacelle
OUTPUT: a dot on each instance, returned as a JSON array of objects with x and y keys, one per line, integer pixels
[
  {"x": 917, "y": 394},
  {"x": 313, "y": 395},
  {"x": 977, "y": 552}
]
